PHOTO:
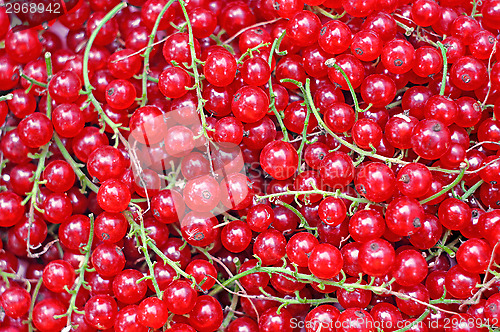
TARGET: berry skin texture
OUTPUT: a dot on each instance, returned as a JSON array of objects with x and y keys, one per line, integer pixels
[
  {"x": 15, "y": 301},
  {"x": 113, "y": 196},
  {"x": 325, "y": 261}
]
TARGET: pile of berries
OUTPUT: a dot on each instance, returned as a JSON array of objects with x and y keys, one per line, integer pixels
[{"x": 245, "y": 166}]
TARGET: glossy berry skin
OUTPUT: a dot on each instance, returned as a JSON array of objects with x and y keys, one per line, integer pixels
[
  {"x": 126, "y": 287},
  {"x": 355, "y": 319},
  {"x": 255, "y": 71},
  {"x": 250, "y": 104},
  {"x": 202, "y": 194},
  {"x": 120, "y": 94},
  {"x": 304, "y": 28},
  {"x": 431, "y": 139},
  {"x": 15, "y": 301},
  {"x": 110, "y": 227},
  {"x": 270, "y": 246},
  {"x": 126, "y": 320},
  {"x": 352, "y": 67},
  {"x": 324, "y": 316},
  {"x": 454, "y": 214},
  {"x": 220, "y": 68},
  {"x": 113, "y": 196},
  {"x": 206, "y": 315},
  {"x": 376, "y": 257},
  {"x": 428, "y": 61},
  {"x": 376, "y": 182},
  {"x": 474, "y": 255},
  {"x": 197, "y": 228},
  {"x": 152, "y": 312},
  {"x": 460, "y": 283},
  {"x": 366, "y": 225},
  {"x": 398, "y": 56},
  {"x": 180, "y": 297},
  {"x": 414, "y": 180},
  {"x": 336, "y": 170},
  {"x": 409, "y": 307},
  {"x": 35, "y": 130},
  {"x": 23, "y": 46},
  {"x": 279, "y": 159},
  {"x": 332, "y": 211},
  {"x": 58, "y": 275},
  {"x": 173, "y": 82},
  {"x": 108, "y": 259},
  {"x": 428, "y": 233},
  {"x": 203, "y": 272},
  {"x": 68, "y": 120},
  {"x": 339, "y": 117},
  {"x": 271, "y": 320},
  {"x": 64, "y": 87},
  {"x": 325, "y": 261},
  {"x": 378, "y": 90},
  {"x": 410, "y": 268},
  {"x": 236, "y": 236},
  {"x": 11, "y": 209},
  {"x": 366, "y": 133},
  {"x": 334, "y": 37},
  {"x": 492, "y": 307},
  {"x": 59, "y": 175},
  {"x": 404, "y": 216},
  {"x": 44, "y": 312},
  {"x": 468, "y": 73},
  {"x": 100, "y": 311},
  {"x": 168, "y": 206},
  {"x": 242, "y": 324},
  {"x": 425, "y": 12},
  {"x": 299, "y": 247}
]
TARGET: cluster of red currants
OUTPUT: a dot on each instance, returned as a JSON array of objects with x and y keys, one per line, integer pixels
[{"x": 269, "y": 165}]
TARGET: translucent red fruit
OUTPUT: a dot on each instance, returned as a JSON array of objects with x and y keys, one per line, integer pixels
[
  {"x": 376, "y": 182},
  {"x": 220, "y": 68},
  {"x": 279, "y": 159},
  {"x": 325, "y": 261},
  {"x": 431, "y": 139},
  {"x": 378, "y": 90},
  {"x": 404, "y": 216},
  {"x": 304, "y": 28},
  {"x": 376, "y": 257},
  {"x": 250, "y": 104}
]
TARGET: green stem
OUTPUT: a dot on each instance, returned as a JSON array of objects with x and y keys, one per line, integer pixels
[
  {"x": 86, "y": 80},
  {"x": 328, "y": 14},
  {"x": 472, "y": 189},
  {"x": 415, "y": 322},
  {"x": 33, "y": 81},
  {"x": 84, "y": 180},
  {"x": 445, "y": 68},
  {"x": 272, "y": 96},
  {"x": 304, "y": 135},
  {"x": 6, "y": 97},
  {"x": 147, "y": 53},
  {"x": 33, "y": 301},
  {"x": 197, "y": 77},
  {"x": 33, "y": 195},
  {"x": 331, "y": 63},
  {"x": 48, "y": 65},
  {"x": 145, "y": 241},
  {"x": 446, "y": 188},
  {"x": 135, "y": 228},
  {"x": 81, "y": 272},
  {"x": 315, "y": 191}
]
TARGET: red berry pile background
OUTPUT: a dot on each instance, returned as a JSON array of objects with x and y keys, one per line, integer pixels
[{"x": 244, "y": 166}]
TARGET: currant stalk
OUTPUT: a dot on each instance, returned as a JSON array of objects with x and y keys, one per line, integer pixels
[
  {"x": 147, "y": 53},
  {"x": 272, "y": 95}
]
